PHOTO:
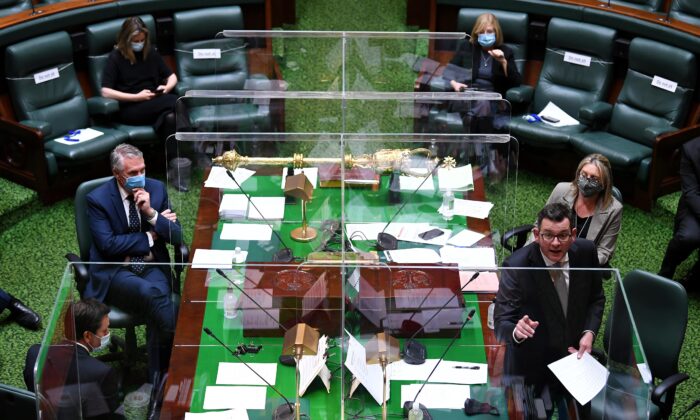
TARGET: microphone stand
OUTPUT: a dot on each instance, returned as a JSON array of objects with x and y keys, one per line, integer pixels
[
  {"x": 667, "y": 17},
  {"x": 284, "y": 255},
  {"x": 34, "y": 11},
  {"x": 605, "y": 5},
  {"x": 279, "y": 414},
  {"x": 415, "y": 352}
]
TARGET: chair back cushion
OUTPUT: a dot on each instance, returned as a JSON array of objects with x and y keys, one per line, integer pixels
[
  {"x": 198, "y": 29},
  {"x": 58, "y": 100},
  {"x": 641, "y": 105},
  {"x": 82, "y": 224},
  {"x": 513, "y": 24},
  {"x": 17, "y": 403},
  {"x": 686, "y": 10},
  {"x": 101, "y": 39},
  {"x": 660, "y": 310},
  {"x": 571, "y": 85},
  {"x": 9, "y": 7}
]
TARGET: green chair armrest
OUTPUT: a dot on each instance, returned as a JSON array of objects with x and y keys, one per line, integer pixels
[
  {"x": 182, "y": 87},
  {"x": 651, "y": 133},
  {"x": 97, "y": 105},
  {"x": 520, "y": 95},
  {"x": 43, "y": 126},
  {"x": 595, "y": 114}
]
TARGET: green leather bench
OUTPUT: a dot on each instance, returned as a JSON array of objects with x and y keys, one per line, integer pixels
[{"x": 686, "y": 10}]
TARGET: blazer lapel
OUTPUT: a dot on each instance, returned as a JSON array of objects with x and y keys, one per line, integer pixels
[
  {"x": 597, "y": 219},
  {"x": 118, "y": 205}
]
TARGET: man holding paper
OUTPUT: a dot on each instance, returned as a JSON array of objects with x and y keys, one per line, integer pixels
[{"x": 545, "y": 314}]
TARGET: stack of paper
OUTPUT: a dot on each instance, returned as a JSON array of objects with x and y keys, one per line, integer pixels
[
  {"x": 553, "y": 111},
  {"x": 240, "y": 374},
  {"x": 471, "y": 208},
  {"x": 465, "y": 238},
  {"x": 413, "y": 256},
  {"x": 272, "y": 208},
  {"x": 413, "y": 183},
  {"x": 468, "y": 257},
  {"x": 456, "y": 179},
  {"x": 233, "y": 206},
  {"x": 312, "y": 366},
  {"x": 83, "y": 135},
  {"x": 212, "y": 258},
  {"x": 240, "y": 397},
  {"x": 370, "y": 376},
  {"x": 218, "y": 178},
  {"x": 246, "y": 232}
]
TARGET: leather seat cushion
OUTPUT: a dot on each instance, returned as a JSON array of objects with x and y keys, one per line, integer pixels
[
  {"x": 620, "y": 151},
  {"x": 242, "y": 116},
  {"x": 540, "y": 134},
  {"x": 84, "y": 152}
]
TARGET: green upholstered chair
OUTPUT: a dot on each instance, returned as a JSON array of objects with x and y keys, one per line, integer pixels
[
  {"x": 569, "y": 86},
  {"x": 10, "y": 7},
  {"x": 101, "y": 38},
  {"x": 118, "y": 319},
  {"x": 57, "y": 105},
  {"x": 686, "y": 11},
  {"x": 643, "y": 112},
  {"x": 659, "y": 308},
  {"x": 648, "y": 5},
  {"x": 198, "y": 29}
]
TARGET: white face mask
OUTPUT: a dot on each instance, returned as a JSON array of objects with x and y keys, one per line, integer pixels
[
  {"x": 137, "y": 46},
  {"x": 104, "y": 342}
]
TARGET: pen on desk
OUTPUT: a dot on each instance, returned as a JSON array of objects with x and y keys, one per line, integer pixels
[
  {"x": 69, "y": 138},
  {"x": 467, "y": 367}
]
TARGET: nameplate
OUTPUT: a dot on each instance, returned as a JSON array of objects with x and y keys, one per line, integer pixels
[
  {"x": 664, "y": 84},
  {"x": 578, "y": 59},
  {"x": 206, "y": 53},
  {"x": 46, "y": 75}
]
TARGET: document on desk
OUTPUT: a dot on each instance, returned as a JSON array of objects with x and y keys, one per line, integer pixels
[
  {"x": 469, "y": 257},
  {"x": 272, "y": 208},
  {"x": 312, "y": 366},
  {"x": 583, "y": 378},
  {"x": 553, "y": 111},
  {"x": 239, "y": 374},
  {"x": 246, "y": 232},
  {"x": 456, "y": 179},
  {"x": 219, "y": 179},
  {"x": 233, "y": 206},
  {"x": 369, "y": 231},
  {"x": 473, "y": 208},
  {"x": 234, "y": 414},
  {"x": 415, "y": 183},
  {"x": 413, "y": 255},
  {"x": 83, "y": 135},
  {"x": 464, "y": 373},
  {"x": 402, "y": 371},
  {"x": 311, "y": 175},
  {"x": 436, "y": 395},
  {"x": 370, "y": 376},
  {"x": 240, "y": 397},
  {"x": 465, "y": 238},
  {"x": 486, "y": 282},
  {"x": 213, "y": 258}
]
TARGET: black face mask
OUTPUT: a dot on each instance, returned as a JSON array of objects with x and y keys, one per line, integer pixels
[
  {"x": 473, "y": 407},
  {"x": 589, "y": 187}
]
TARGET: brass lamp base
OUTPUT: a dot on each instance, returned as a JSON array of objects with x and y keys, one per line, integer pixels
[{"x": 302, "y": 234}]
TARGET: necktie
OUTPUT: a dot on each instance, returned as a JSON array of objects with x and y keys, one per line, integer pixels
[
  {"x": 560, "y": 285},
  {"x": 136, "y": 265}
]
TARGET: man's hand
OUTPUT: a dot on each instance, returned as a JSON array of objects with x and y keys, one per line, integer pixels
[
  {"x": 585, "y": 344},
  {"x": 143, "y": 201},
  {"x": 457, "y": 86},
  {"x": 170, "y": 215},
  {"x": 525, "y": 328}
]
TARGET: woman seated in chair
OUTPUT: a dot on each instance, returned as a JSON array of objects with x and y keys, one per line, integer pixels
[
  {"x": 598, "y": 213},
  {"x": 136, "y": 76}
]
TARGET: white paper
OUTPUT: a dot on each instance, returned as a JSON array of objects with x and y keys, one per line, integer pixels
[
  {"x": 312, "y": 366},
  {"x": 486, "y": 282},
  {"x": 583, "y": 378},
  {"x": 219, "y": 179},
  {"x": 578, "y": 59},
  {"x": 472, "y": 208},
  {"x": 206, "y": 53},
  {"x": 413, "y": 183},
  {"x": 456, "y": 179},
  {"x": 436, "y": 395},
  {"x": 311, "y": 175},
  {"x": 239, "y": 374},
  {"x": 554, "y": 111},
  {"x": 370, "y": 376},
  {"x": 465, "y": 238},
  {"x": 469, "y": 257},
  {"x": 212, "y": 258},
  {"x": 233, "y": 206},
  {"x": 413, "y": 255},
  {"x": 246, "y": 232},
  {"x": 240, "y": 397},
  {"x": 448, "y": 372},
  {"x": 402, "y": 371},
  {"x": 234, "y": 414},
  {"x": 369, "y": 231},
  {"x": 271, "y": 207},
  {"x": 46, "y": 75},
  {"x": 665, "y": 84},
  {"x": 85, "y": 134},
  {"x": 645, "y": 372}
]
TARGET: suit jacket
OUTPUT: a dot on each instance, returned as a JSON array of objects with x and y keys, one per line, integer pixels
[
  {"x": 689, "y": 204},
  {"x": 604, "y": 223},
  {"x": 532, "y": 293},
  {"x": 74, "y": 382},
  {"x": 111, "y": 240},
  {"x": 467, "y": 52}
]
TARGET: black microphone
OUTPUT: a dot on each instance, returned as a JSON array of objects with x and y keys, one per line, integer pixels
[
  {"x": 409, "y": 404},
  {"x": 222, "y": 274},
  {"x": 388, "y": 242},
  {"x": 235, "y": 354},
  {"x": 415, "y": 353},
  {"x": 285, "y": 254}
]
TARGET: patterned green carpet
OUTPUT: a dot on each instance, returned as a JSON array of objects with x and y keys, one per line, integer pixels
[{"x": 34, "y": 238}]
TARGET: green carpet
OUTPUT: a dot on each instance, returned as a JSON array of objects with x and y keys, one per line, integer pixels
[{"x": 34, "y": 238}]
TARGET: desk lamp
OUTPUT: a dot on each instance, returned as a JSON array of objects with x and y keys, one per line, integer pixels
[
  {"x": 383, "y": 349},
  {"x": 299, "y": 340},
  {"x": 299, "y": 186}
]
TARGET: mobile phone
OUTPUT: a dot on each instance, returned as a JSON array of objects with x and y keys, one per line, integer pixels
[
  {"x": 158, "y": 91},
  {"x": 549, "y": 119},
  {"x": 430, "y": 234}
]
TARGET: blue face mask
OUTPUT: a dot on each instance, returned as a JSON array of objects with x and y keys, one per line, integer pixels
[
  {"x": 137, "y": 46},
  {"x": 487, "y": 40},
  {"x": 138, "y": 181}
]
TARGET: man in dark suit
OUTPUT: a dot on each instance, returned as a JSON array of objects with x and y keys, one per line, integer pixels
[
  {"x": 131, "y": 221},
  {"x": 686, "y": 232},
  {"x": 543, "y": 315},
  {"x": 76, "y": 384}
]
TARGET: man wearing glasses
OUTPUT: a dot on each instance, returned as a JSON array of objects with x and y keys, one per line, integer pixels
[{"x": 543, "y": 315}]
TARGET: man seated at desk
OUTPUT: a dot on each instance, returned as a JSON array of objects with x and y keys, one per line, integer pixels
[{"x": 543, "y": 315}]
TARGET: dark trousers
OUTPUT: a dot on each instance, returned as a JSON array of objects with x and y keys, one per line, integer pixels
[
  {"x": 686, "y": 239},
  {"x": 5, "y": 300},
  {"x": 148, "y": 296}
]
